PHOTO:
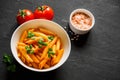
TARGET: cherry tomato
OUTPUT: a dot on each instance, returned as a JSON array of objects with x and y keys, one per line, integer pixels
[
  {"x": 44, "y": 12},
  {"x": 24, "y": 15}
]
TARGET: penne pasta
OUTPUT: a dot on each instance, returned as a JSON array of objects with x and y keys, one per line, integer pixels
[
  {"x": 25, "y": 55},
  {"x": 58, "y": 44},
  {"x": 29, "y": 64},
  {"x": 23, "y": 36},
  {"x": 39, "y": 48},
  {"x": 58, "y": 57},
  {"x": 53, "y": 42},
  {"x": 30, "y": 42},
  {"x": 22, "y": 58},
  {"x": 38, "y": 57},
  {"x": 44, "y": 53},
  {"x": 45, "y": 37},
  {"x": 34, "y": 58},
  {"x": 46, "y": 66},
  {"x": 45, "y": 31},
  {"x": 35, "y": 65},
  {"x": 21, "y": 44},
  {"x": 54, "y": 48},
  {"x": 43, "y": 62},
  {"x": 31, "y": 30}
]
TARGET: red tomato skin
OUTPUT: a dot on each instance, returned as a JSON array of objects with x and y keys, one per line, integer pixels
[
  {"x": 29, "y": 16},
  {"x": 38, "y": 14},
  {"x": 48, "y": 13}
]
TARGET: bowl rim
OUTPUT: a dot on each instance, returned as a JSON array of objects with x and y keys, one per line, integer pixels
[
  {"x": 40, "y": 70},
  {"x": 87, "y": 12}
]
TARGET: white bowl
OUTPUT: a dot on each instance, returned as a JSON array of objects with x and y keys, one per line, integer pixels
[
  {"x": 48, "y": 25},
  {"x": 78, "y": 30}
]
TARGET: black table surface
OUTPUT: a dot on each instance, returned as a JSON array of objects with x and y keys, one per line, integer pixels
[{"x": 94, "y": 56}]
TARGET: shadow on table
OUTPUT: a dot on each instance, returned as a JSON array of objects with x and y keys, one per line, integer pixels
[
  {"x": 82, "y": 39},
  {"x": 13, "y": 28},
  {"x": 25, "y": 74},
  {"x": 78, "y": 40}
]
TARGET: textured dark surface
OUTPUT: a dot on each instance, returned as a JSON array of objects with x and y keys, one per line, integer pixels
[{"x": 95, "y": 56}]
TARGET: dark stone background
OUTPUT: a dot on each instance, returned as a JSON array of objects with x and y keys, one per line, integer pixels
[{"x": 94, "y": 56}]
